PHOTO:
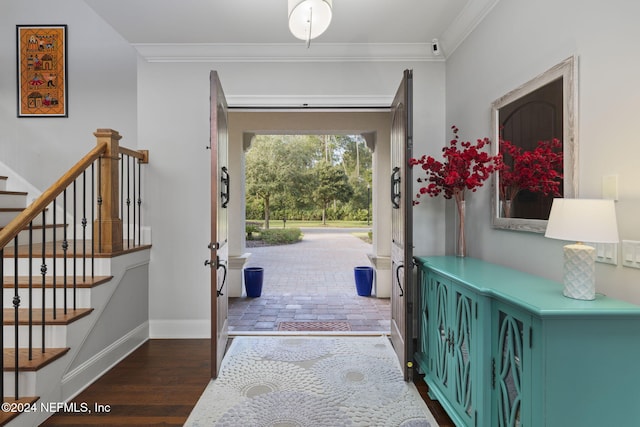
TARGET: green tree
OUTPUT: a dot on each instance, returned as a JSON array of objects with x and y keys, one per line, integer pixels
[
  {"x": 332, "y": 185},
  {"x": 278, "y": 170}
]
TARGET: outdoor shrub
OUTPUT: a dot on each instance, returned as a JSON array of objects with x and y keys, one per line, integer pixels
[
  {"x": 251, "y": 228},
  {"x": 281, "y": 236}
]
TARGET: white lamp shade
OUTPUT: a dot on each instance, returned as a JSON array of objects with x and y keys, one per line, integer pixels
[
  {"x": 583, "y": 220},
  {"x": 309, "y": 18}
]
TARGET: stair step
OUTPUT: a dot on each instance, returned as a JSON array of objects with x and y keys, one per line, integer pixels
[
  {"x": 23, "y": 281},
  {"x": 38, "y": 359},
  {"x": 8, "y": 316},
  {"x": 6, "y": 416},
  {"x": 14, "y": 199},
  {"x": 76, "y": 248},
  {"x": 8, "y": 214}
]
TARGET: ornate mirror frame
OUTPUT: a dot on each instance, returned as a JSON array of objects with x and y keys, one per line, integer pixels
[{"x": 566, "y": 70}]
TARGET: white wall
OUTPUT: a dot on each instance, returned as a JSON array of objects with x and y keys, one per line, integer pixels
[
  {"x": 101, "y": 91},
  {"x": 174, "y": 125},
  {"x": 519, "y": 40}
]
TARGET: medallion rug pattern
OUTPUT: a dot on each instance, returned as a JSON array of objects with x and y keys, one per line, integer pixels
[{"x": 310, "y": 382}]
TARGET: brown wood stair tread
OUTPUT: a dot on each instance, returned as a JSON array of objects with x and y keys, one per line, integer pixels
[
  {"x": 5, "y": 417},
  {"x": 40, "y": 227},
  {"x": 38, "y": 358},
  {"x": 8, "y": 316},
  {"x": 23, "y": 281},
  {"x": 19, "y": 193}
]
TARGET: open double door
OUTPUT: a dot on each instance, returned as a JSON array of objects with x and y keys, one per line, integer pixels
[{"x": 402, "y": 243}]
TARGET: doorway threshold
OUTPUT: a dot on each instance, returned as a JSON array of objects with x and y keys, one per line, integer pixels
[{"x": 308, "y": 333}]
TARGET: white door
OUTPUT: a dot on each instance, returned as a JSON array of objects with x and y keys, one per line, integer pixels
[
  {"x": 401, "y": 224},
  {"x": 219, "y": 229}
]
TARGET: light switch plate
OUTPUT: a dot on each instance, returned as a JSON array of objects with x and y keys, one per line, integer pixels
[
  {"x": 631, "y": 253},
  {"x": 606, "y": 253}
]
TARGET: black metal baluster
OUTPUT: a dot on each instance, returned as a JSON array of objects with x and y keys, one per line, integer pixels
[
  {"x": 84, "y": 226},
  {"x": 99, "y": 206},
  {"x": 65, "y": 247},
  {"x": 122, "y": 187},
  {"x": 128, "y": 199},
  {"x": 43, "y": 272},
  {"x": 93, "y": 219},
  {"x": 133, "y": 223},
  {"x": 30, "y": 309},
  {"x": 139, "y": 203},
  {"x": 53, "y": 257},
  {"x": 16, "y": 306},
  {"x": 75, "y": 244}
]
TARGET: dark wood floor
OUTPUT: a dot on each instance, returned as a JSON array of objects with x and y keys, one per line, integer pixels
[{"x": 158, "y": 385}]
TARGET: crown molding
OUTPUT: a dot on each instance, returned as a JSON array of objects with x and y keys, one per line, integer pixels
[
  {"x": 286, "y": 52},
  {"x": 468, "y": 19}
]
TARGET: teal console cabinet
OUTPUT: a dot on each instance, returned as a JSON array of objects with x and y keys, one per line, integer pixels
[{"x": 502, "y": 348}]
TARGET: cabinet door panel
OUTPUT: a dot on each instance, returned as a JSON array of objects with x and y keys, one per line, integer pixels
[
  {"x": 511, "y": 367},
  {"x": 443, "y": 333},
  {"x": 463, "y": 351}
]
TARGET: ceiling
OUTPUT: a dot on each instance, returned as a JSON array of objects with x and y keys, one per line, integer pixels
[{"x": 244, "y": 29}]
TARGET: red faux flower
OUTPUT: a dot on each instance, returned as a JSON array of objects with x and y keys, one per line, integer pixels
[
  {"x": 538, "y": 171},
  {"x": 466, "y": 166}
]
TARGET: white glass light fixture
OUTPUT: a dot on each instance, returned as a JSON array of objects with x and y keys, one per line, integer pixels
[
  {"x": 309, "y": 18},
  {"x": 581, "y": 220}
]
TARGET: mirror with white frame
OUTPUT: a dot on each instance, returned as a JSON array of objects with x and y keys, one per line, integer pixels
[{"x": 540, "y": 113}]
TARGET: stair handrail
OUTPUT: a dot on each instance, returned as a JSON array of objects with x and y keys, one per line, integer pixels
[
  {"x": 48, "y": 196},
  {"x": 38, "y": 205}
]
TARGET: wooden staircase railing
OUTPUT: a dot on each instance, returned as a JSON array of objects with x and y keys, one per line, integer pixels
[{"x": 48, "y": 219}]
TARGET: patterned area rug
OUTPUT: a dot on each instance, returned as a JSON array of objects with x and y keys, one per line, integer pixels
[
  {"x": 314, "y": 326},
  {"x": 310, "y": 382}
]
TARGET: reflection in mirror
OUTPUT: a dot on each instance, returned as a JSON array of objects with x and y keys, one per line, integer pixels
[{"x": 535, "y": 126}]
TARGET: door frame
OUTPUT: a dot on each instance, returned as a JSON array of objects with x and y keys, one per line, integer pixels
[{"x": 373, "y": 123}]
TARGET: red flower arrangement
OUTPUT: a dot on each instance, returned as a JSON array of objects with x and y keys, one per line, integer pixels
[
  {"x": 466, "y": 167},
  {"x": 538, "y": 170}
]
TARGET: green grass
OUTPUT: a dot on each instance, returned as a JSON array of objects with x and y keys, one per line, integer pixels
[{"x": 315, "y": 224}]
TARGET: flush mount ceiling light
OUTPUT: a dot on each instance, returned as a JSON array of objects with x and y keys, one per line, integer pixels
[{"x": 309, "y": 18}]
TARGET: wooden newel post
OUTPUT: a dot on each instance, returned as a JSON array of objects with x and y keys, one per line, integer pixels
[{"x": 107, "y": 228}]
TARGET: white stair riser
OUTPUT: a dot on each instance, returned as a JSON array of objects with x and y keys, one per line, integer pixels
[
  {"x": 55, "y": 336},
  {"x": 102, "y": 267},
  {"x": 83, "y": 297},
  {"x": 3, "y": 184},
  {"x": 26, "y": 383},
  {"x": 13, "y": 200},
  {"x": 36, "y": 236},
  {"x": 7, "y": 217}
]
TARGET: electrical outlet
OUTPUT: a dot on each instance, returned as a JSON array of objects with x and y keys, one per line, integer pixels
[
  {"x": 631, "y": 253},
  {"x": 606, "y": 253}
]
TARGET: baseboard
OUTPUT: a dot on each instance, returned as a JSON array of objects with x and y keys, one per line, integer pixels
[
  {"x": 179, "y": 329},
  {"x": 81, "y": 377}
]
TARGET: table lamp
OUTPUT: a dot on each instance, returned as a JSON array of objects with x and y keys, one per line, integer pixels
[{"x": 581, "y": 220}]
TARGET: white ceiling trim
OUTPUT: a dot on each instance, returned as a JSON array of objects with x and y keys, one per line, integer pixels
[
  {"x": 472, "y": 14},
  {"x": 286, "y": 52},
  {"x": 309, "y": 101}
]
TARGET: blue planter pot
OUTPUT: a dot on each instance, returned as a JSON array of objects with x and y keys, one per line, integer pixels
[
  {"x": 253, "y": 277},
  {"x": 364, "y": 280}
]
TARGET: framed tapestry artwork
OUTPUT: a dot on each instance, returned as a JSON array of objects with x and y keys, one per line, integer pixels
[{"x": 42, "y": 70}]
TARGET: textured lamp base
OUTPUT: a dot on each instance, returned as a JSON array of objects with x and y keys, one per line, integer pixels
[{"x": 579, "y": 272}]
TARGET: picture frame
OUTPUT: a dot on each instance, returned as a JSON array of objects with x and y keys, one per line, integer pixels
[
  {"x": 42, "y": 70},
  {"x": 566, "y": 74}
]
